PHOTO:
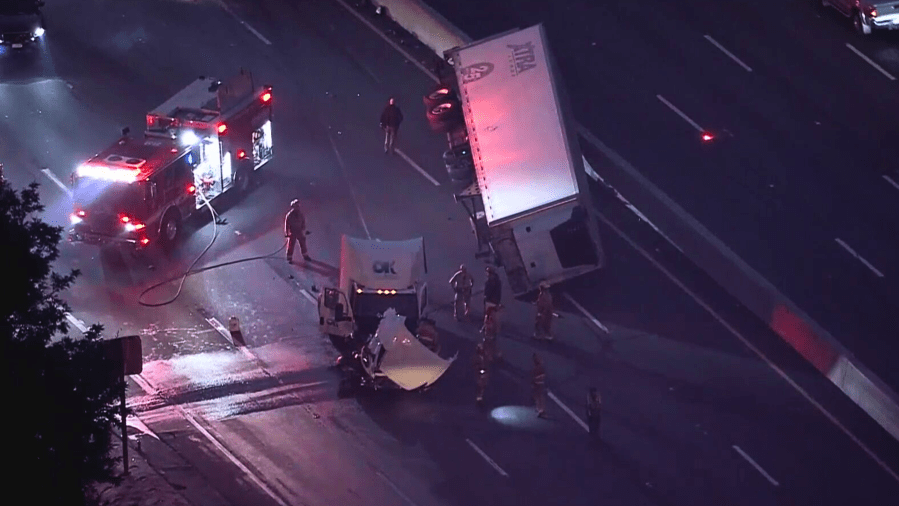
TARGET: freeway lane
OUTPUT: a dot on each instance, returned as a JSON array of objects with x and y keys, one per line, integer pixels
[
  {"x": 670, "y": 422},
  {"x": 803, "y": 140}
]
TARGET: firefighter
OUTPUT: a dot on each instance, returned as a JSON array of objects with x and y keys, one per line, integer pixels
[
  {"x": 490, "y": 331},
  {"x": 481, "y": 363},
  {"x": 391, "y": 118},
  {"x": 427, "y": 334},
  {"x": 462, "y": 283},
  {"x": 295, "y": 231},
  {"x": 545, "y": 313},
  {"x": 538, "y": 378},
  {"x": 493, "y": 288},
  {"x": 594, "y": 411}
]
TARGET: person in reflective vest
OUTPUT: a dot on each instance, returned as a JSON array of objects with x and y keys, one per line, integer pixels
[
  {"x": 545, "y": 313},
  {"x": 462, "y": 284},
  {"x": 295, "y": 231},
  {"x": 491, "y": 331}
]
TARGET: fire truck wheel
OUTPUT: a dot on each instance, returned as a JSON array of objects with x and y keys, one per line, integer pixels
[
  {"x": 171, "y": 228},
  {"x": 244, "y": 180}
]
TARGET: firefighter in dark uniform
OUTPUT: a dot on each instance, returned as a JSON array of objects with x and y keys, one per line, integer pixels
[
  {"x": 462, "y": 284},
  {"x": 481, "y": 363},
  {"x": 545, "y": 313},
  {"x": 295, "y": 230},
  {"x": 427, "y": 334},
  {"x": 491, "y": 331},
  {"x": 493, "y": 290},
  {"x": 594, "y": 412}
]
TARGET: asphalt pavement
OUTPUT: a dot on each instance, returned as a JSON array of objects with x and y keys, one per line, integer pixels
[
  {"x": 691, "y": 415},
  {"x": 801, "y": 179}
]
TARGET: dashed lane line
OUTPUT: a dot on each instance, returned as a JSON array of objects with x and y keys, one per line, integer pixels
[
  {"x": 395, "y": 488},
  {"x": 680, "y": 113},
  {"x": 349, "y": 184},
  {"x": 415, "y": 166},
  {"x": 891, "y": 181},
  {"x": 568, "y": 410},
  {"x": 728, "y": 53},
  {"x": 486, "y": 457},
  {"x": 860, "y": 258},
  {"x": 309, "y": 296},
  {"x": 583, "y": 311},
  {"x": 756, "y": 466},
  {"x": 247, "y": 26},
  {"x": 871, "y": 62}
]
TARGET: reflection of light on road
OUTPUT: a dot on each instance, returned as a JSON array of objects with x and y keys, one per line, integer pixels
[{"x": 521, "y": 417}]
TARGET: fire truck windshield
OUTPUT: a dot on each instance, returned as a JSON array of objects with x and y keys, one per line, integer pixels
[{"x": 110, "y": 197}]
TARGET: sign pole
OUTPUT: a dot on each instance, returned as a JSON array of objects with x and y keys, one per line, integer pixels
[{"x": 124, "y": 422}]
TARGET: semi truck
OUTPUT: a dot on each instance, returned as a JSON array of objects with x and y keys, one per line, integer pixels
[
  {"x": 510, "y": 128},
  {"x": 372, "y": 316}
]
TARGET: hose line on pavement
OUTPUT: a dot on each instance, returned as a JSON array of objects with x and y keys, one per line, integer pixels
[{"x": 190, "y": 270}]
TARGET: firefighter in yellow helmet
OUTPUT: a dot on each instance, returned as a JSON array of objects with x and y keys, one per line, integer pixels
[{"x": 462, "y": 283}]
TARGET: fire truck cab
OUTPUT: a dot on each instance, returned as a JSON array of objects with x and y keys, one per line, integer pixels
[{"x": 209, "y": 138}]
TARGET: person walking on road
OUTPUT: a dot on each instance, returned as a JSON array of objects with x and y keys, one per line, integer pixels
[
  {"x": 390, "y": 123},
  {"x": 481, "y": 363},
  {"x": 462, "y": 284},
  {"x": 491, "y": 331},
  {"x": 545, "y": 313},
  {"x": 295, "y": 231},
  {"x": 538, "y": 378},
  {"x": 594, "y": 412}
]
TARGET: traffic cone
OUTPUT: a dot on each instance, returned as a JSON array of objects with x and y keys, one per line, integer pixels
[{"x": 234, "y": 329}]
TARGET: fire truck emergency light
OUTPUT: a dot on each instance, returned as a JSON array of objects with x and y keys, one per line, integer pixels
[
  {"x": 222, "y": 128},
  {"x": 189, "y": 138},
  {"x": 108, "y": 174},
  {"x": 241, "y": 154},
  {"x": 266, "y": 96}
]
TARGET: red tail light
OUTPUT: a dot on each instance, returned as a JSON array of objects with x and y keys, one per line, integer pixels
[
  {"x": 124, "y": 218},
  {"x": 706, "y": 136},
  {"x": 145, "y": 241},
  {"x": 191, "y": 189},
  {"x": 266, "y": 96},
  {"x": 241, "y": 154},
  {"x": 80, "y": 213},
  {"x": 222, "y": 128}
]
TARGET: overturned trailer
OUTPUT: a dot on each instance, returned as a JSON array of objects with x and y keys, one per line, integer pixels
[
  {"x": 371, "y": 317},
  {"x": 529, "y": 205}
]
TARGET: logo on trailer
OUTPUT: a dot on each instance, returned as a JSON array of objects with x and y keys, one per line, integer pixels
[
  {"x": 477, "y": 71},
  {"x": 381, "y": 267},
  {"x": 523, "y": 57}
]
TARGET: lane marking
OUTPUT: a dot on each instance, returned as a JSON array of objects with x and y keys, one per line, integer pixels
[
  {"x": 416, "y": 167},
  {"x": 217, "y": 325},
  {"x": 349, "y": 184},
  {"x": 890, "y": 180},
  {"x": 756, "y": 466},
  {"x": 821, "y": 409},
  {"x": 247, "y": 26},
  {"x": 680, "y": 113},
  {"x": 147, "y": 387},
  {"x": 585, "y": 313},
  {"x": 309, "y": 296},
  {"x": 49, "y": 173},
  {"x": 486, "y": 457},
  {"x": 870, "y": 62},
  {"x": 859, "y": 257},
  {"x": 393, "y": 44},
  {"x": 728, "y": 53},
  {"x": 395, "y": 488},
  {"x": 568, "y": 410},
  {"x": 76, "y": 322}
]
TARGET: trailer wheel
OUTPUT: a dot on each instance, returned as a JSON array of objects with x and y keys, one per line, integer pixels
[
  {"x": 439, "y": 95},
  {"x": 460, "y": 174},
  {"x": 170, "y": 231},
  {"x": 445, "y": 116}
]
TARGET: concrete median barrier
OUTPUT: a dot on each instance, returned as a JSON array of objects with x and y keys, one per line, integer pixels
[{"x": 784, "y": 317}]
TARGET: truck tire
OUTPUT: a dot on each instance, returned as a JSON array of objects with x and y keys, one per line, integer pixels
[
  {"x": 445, "y": 116},
  {"x": 460, "y": 175},
  {"x": 462, "y": 163},
  {"x": 170, "y": 231},
  {"x": 858, "y": 23},
  {"x": 438, "y": 96}
]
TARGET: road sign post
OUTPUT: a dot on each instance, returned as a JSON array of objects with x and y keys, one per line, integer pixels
[{"x": 127, "y": 358}]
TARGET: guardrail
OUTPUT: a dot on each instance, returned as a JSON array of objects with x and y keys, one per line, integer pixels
[{"x": 784, "y": 317}]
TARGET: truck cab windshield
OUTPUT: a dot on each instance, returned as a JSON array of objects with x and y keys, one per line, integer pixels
[
  {"x": 110, "y": 197},
  {"x": 370, "y": 304}
]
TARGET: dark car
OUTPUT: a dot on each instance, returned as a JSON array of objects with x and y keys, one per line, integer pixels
[{"x": 21, "y": 22}]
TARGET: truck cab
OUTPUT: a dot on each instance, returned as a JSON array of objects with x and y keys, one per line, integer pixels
[{"x": 21, "y": 22}]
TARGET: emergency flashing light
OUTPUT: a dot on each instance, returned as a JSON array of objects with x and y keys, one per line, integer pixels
[
  {"x": 108, "y": 173},
  {"x": 266, "y": 96},
  {"x": 191, "y": 189},
  {"x": 144, "y": 241},
  {"x": 358, "y": 290},
  {"x": 241, "y": 154},
  {"x": 80, "y": 213},
  {"x": 189, "y": 138},
  {"x": 706, "y": 136},
  {"x": 75, "y": 218},
  {"x": 221, "y": 128},
  {"x": 124, "y": 218}
]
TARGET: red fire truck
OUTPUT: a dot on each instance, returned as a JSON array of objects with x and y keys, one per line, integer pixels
[{"x": 209, "y": 138}]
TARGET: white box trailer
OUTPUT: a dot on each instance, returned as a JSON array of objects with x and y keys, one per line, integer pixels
[{"x": 530, "y": 206}]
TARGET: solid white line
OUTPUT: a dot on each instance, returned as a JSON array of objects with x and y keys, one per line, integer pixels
[
  {"x": 680, "y": 113},
  {"x": 870, "y": 62},
  {"x": 859, "y": 257},
  {"x": 76, "y": 322},
  {"x": 585, "y": 313},
  {"x": 728, "y": 53},
  {"x": 247, "y": 26},
  {"x": 754, "y": 349},
  {"x": 890, "y": 180},
  {"x": 567, "y": 410},
  {"x": 487, "y": 458},
  {"x": 309, "y": 296},
  {"x": 349, "y": 185},
  {"x": 416, "y": 167},
  {"x": 49, "y": 173},
  {"x": 589, "y": 169},
  {"x": 395, "y": 488},
  {"x": 756, "y": 466},
  {"x": 150, "y": 389},
  {"x": 393, "y": 44}
]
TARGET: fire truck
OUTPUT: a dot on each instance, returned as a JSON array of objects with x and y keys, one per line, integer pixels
[{"x": 209, "y": 138}]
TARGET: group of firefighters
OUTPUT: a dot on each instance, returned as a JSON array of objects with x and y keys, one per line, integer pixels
[{"x": 486, "y": 352}]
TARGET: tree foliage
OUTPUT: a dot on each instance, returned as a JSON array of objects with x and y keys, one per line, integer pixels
[{"x": 59, "y": 394}]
